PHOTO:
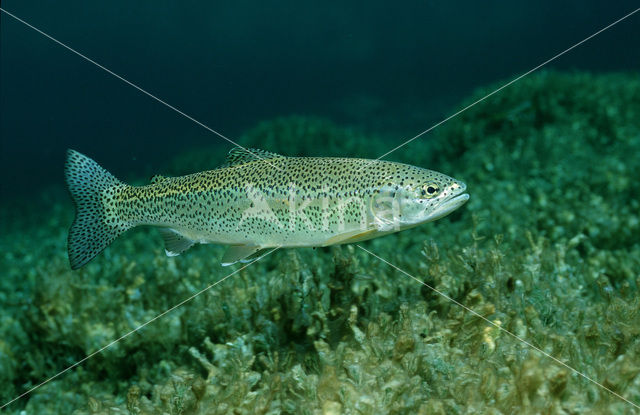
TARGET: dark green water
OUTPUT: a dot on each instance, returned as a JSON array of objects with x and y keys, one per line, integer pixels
[{"x": 547, "y": 248}]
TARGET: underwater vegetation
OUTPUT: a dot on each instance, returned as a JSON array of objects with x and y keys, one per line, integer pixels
[{"x": 548, "y": 247}]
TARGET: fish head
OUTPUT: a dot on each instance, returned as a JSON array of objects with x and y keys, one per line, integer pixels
[
  {"x": 436, "y": 199},
  {"x": 426, "y": 197}
]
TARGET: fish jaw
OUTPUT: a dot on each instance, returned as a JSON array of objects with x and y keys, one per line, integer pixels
[{"x": 447, "y": 206}]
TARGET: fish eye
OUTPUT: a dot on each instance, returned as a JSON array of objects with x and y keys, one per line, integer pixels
[{"x": 430, "y": 190}]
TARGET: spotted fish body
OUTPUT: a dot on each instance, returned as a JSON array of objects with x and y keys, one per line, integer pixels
[{"x": 258, "y": 200}]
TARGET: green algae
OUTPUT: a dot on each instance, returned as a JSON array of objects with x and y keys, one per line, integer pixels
[{"x": 547, "y": 248}]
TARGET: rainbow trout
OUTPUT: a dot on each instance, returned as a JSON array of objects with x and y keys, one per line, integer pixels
[{"x": 257, "y": 200}]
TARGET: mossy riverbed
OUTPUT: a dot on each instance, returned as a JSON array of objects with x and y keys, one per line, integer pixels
[{"x": 547, "y": 248}]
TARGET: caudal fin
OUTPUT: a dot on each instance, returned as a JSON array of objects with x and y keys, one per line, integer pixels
[{"x": 96, "y": 224}]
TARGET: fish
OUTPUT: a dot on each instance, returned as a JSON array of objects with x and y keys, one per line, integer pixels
[{"x": 255, "y": 201}]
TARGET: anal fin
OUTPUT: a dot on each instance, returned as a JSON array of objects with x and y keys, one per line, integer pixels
[{"x": 174, "y": 243}]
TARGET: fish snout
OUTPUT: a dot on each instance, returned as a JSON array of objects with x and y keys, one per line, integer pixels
[{"x": 458, "y": 187}]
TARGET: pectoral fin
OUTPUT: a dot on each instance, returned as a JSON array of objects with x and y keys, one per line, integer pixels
[
  {"x": 174, "y": 243},
  {"x": 239, "y": 253}
]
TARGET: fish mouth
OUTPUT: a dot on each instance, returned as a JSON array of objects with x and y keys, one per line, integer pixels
[{"x": 448, "y": 205}]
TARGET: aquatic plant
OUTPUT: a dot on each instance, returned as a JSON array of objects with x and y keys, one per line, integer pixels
[{"x": 547, "y": 248}]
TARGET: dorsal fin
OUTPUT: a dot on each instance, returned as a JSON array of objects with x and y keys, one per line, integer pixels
[
  {"x": 157, "y": 178},
  {"x": 239, "y": 155}
]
